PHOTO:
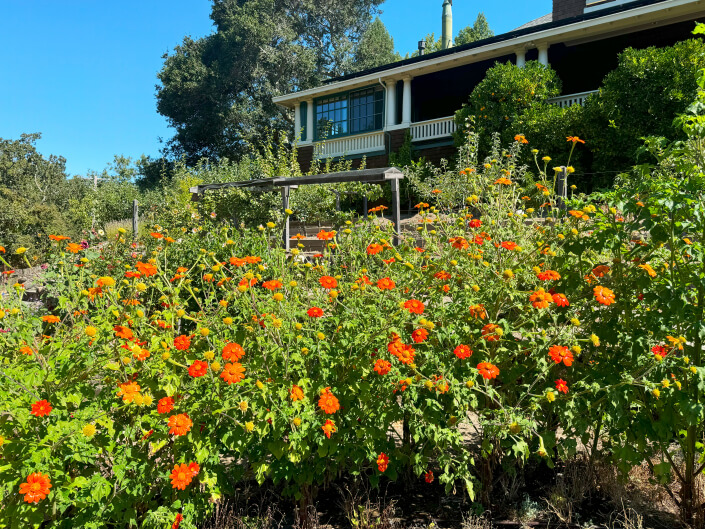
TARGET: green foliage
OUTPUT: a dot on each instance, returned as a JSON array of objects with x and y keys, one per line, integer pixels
[
  {"x": 498, "y": 101},
  {"x": 639, "y": 98},
  {"x": 478, "y": 31},
  {"x": 376, "y": 47},
  {"x": 217, "y": 91}
]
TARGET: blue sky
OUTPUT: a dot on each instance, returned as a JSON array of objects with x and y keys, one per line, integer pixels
[{"x": 83, "y": 72}]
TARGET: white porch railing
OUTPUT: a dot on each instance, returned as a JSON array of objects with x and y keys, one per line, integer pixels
[
  {"x": 348, "y": 146},
  {"x": 433, "y": 128},
  {"x": 571, "y": 99}
]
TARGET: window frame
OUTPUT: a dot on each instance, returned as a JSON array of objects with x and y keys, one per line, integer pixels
[{"x": 347, "y": 97}]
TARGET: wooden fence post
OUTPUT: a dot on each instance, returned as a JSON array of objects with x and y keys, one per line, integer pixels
[
  {"x": 285, "y": 206},
  {"x": 135, "y": 215},
  {"x": 396, "y": 211}
]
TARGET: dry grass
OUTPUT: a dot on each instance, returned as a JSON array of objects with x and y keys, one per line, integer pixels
[
  {"x": 573, "y": 486},
  {"x": 471, "y": 521}
]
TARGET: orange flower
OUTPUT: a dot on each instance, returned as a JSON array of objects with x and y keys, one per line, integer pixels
[
  {"x": 647, "y": 268},
  {"x": 575, "y": 139},
  {"x": 50, "y": 318},
  {"x": 503, "y": 181},
  {"x": 177, "y": 521},
  {"x": 253, "y": 259},
  {"x": 560, "y": 300},
  {"x": 404, "y": 353},
  {"x": 509, "y": 245},
  {"x": 315, "y": 312},
  {"x": 487, "y": 370},
  {"x": 560, "y": 353},
  {"x": 157, "y": 235},
  {"x": 324, "y": 235},
  {"x": 386, "y": 284},
  {"x": 442, "y": 275},
  {"x": 59, "y": 238},
  {"x": 296, "y": 393},
  {"x": 463, "y": 352},
  {"x": 600, "y": 270},
  {"x": 541, "y": 299},
  {"x": 562, "y": 385},
  {"x": 41, "y": 408},
  {"x": 128, "y": 391},
  {"x": 328, "y": 282},
  {"x": 146, "y": 269},
  {"x": 328, "y": 428},
  {"x": 123, "y": 332},
  {"x": 419, "y": 335},
  {"x": 26, "y": 350},
  {"x": 549, "y": 275},
  {"x": 179, "y": 424},
  {"x": 74, "y": 247},
  {"x": 165, "y": 405},
  {"x": 459, "y": 243},
  {"x": 36, "y": 487},
  {"x": 198, "y": 369},
  {"x": 182, "y": 342},
  {"x": 233, "y": 351},
  {"x": 382, "y": 462},
  {"x": 414, "y": 306},
  {"x": 374, "y": 249},
  {"x": 237, "y": 261},
  {"x": 489, "y": 332},
  {"x": 233, "y": 373},
  {"x": 382, "y": 367},
  {"x": 421, "y": 205},
  {"x": 478, "y": 311},
  {"x": 328, "y": 402},
  {"x": 603, "y": 295},
  {"x": 182, "y": 475},
  {"x": 272, "y": 285}
]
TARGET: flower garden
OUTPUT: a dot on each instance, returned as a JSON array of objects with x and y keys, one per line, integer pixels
[{"x": 160, "y": 374}]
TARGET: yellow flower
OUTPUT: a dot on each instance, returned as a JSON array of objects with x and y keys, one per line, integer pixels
[
  {"x": 665, "y": 383},
  {"x": 476, "y": 288},
  {"x": 20, "y": 250},
  {"x": 223, "y": 303},
  {"x": 204, "y": 331},
  {"x": 228, "y": 321},
  {"x": 147, "y": 400},
  {"x": 297, "y": 421},
  {"x": 259, "y": 385},
  {"x": 546, "y": 159},
  {"x": 180, "y": 312},
  {"x": 693, "y": 369},
  {"x": 320, "y": 336},
  {"x": 166, "y": 356},
  {"x": 243, "y": 405},
  {"x": 507, "y": 274},
  {"x": 304, "y": 350},
  {"x": 278, "y": 296},
  {"x": 271, "y": 225},
  {"x": 333, "y": 293},
  {"x": 550, "y": 396},
  {"x": 89, "y": 430},
  {"x": 576, "y": 349},
  {"x": 209, "y": 355},
  {"x": 140, "y": 313},
  {"x": 595, "y": 340},
  {"x": 249, "y": 426},
  {"x": 122, "y": 230},
  {"x": 469, "y": 384},
  {"x": 215, "y": 367},
  {"x": 288, "y": 211},
  {"x": 656, "y": 393},
  {"x": 91, "y": 331}
]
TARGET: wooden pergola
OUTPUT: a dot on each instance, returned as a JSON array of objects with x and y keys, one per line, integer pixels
[{"x": 286, "y": 184}]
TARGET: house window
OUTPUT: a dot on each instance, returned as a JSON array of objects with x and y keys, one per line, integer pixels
[{"x": 352, "y": 113}]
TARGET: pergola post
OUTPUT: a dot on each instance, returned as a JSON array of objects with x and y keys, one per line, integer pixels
[
  {"x": 562, "y": 187},
  {"x": 285, "y": 206},
  {"x": 396, "y": 211},
  {"x": 135, "y": 219}
]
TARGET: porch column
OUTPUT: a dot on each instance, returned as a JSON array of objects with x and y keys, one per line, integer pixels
[
  {"x": 391, "y": 103},
  {"x": 309, "y": 121},
  {"x": 543, "y": 54},
  {"x": 521, "y": 58},
  {"x": 297, "y": 121},
  {"x": 406, "y": 112}
]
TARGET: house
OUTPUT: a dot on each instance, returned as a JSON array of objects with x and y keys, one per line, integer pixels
[{"x": 368, "y": 113}]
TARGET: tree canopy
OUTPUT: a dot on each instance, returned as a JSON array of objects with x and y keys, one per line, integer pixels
[
  {"x": 479, "y": 30},
  {"x": 216, "y": 92}
]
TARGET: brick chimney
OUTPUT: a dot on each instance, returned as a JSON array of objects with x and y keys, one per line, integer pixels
[{"x": 567, "y": 8}]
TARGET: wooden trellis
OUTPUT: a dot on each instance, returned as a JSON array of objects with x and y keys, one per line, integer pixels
[{"x": 286, "y": 184}]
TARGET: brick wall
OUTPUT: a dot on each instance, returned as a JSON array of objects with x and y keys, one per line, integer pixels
[{"x": 567, "y": 8}]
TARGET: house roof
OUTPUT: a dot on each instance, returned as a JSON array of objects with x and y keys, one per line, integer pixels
[
  {"x": 620, "y": 17},
  {"x": 534, "y": 26}
]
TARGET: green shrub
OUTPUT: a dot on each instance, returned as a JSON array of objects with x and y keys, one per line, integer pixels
[{"x": 502, "y": 96}]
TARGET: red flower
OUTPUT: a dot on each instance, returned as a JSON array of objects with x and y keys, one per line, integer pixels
[
  {"x": 659, "y": 351},
  {"x": 41, "y": 408},
  {"x": 315, "y": 312},
  {"x": 419, "y": 335},
  {"x": 198, "y": 369},
  {"x": 487, "y": 370},
  {"x": 177, "y": 521},
  {"x": 414, "y": 306},
  {"x": 123, "y": 332},
  {"x": 428, "y": 476},
  {"x": 560, "y": 300},
  {"x": 562, "y": 385},
  {"x": 509, "y": 245},
  {"x": 233, "y": 352},
  {"x": 386, "y": 284},
  {"x": 463, "y": 352},
  {"x": 382, "y": 462},
  {"x": 165, "y": 405},
  {"x": 459, "y": 243},
  {"x": 328, "y": 402},
  {"x": 560, "y": 353},
  {"x": 36, "y": 487},
  {"x": 489, "y": 332},
  {"x": 182, "y": 342},
  {"x": 272, "y": 285},
  {"x": 549, "y": 275},
  {"x": 404, "y": 353},
  {"x": 328, "y": 282},
  {"x": 475, "y": 223},
  {"x": 382, "y": 367}
]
